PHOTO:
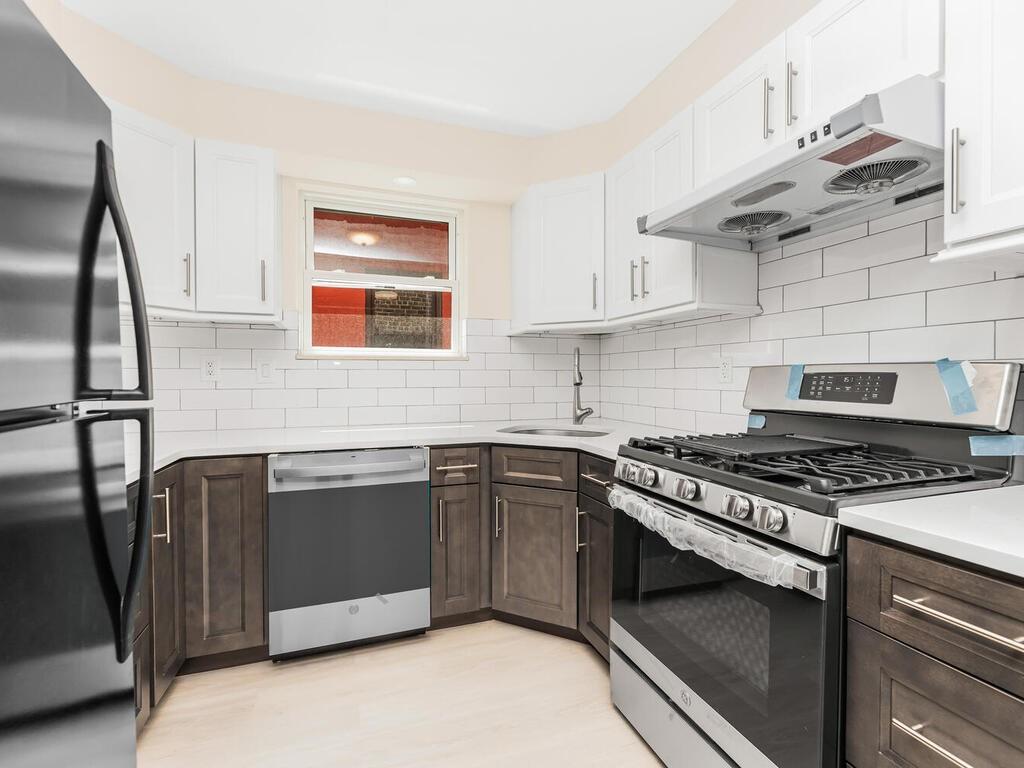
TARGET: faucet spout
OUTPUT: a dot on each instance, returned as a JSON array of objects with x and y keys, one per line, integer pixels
[{"x": 579, "y": 413}]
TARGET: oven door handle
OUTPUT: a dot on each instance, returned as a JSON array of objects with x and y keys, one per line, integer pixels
[{"x": 732, "y": 551}]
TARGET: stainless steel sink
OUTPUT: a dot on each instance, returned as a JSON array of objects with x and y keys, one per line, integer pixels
[{"x": 554, "y": 431}]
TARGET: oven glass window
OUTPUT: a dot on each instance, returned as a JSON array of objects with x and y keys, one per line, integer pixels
[{"x": 760, "y": 656}]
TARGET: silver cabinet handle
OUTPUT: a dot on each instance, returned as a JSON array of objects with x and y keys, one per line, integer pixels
[
  {"x": 263, "y": 279},
  {"x": 453, "y": 467},
  {"x": 497, "y": 523},
  {"x": 579, "y": 544},
  {"x": 594, "y": 288},
  {"x": 598, "y": 480},
  {"x": 643, "y": 277},
  {"x": 188, "y": 274},
  {"x": 791, "y": 72},
  {"x": 955, "y": 142},
  {"x": 953, "y": 621},
  {"x": 632, "y": 280},
  {"x": 913, "y": 732},
  {"x": 166, "y": 496},
  {"x": 440, "y": 521},
  {"x": 768, "y": 88}
]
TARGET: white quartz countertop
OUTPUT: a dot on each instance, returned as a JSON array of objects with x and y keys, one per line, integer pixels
[
  {"x": 172, "y": 447},
  {"x": 984, "y": 527}
]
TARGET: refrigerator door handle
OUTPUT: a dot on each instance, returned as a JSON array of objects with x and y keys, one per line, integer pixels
[
  {"x": 122, "y": 606},
  {"x": 106, "y": 197}
]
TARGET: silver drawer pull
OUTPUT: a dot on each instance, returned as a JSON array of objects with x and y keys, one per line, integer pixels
[
  {"x": 595, "y": 479},
  {"x": 347, "y": 470},
  {"x": 497, "y": 523},
  {"x": 966, "y": 626},
  {"x": 453, "y": 467},
  {"x": 912, "y": 732},
  {"x": 440, "y": 521},
  {"x": 166, "y": 496},
  {"x": 579, "y": 544}
]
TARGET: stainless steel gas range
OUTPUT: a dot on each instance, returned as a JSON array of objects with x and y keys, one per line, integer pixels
[{"x": 727, "y": 581}]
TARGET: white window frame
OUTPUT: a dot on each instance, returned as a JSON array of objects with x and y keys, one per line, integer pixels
[{"x": 405, "y": 208}]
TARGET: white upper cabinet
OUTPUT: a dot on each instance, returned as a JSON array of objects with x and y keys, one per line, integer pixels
[
  {"x": 235, "y": 228},
  {"x": 154, "y": 165},
  {"x": 568, "y": 250},
  {"x": 842, "y": 50},
  {"x": 627, "y": 251},
  {"x": 984, "y": 185},
  {"x": 743, "y": 115}
]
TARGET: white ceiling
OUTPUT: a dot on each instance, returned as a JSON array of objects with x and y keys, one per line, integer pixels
[{"x": 527, "y": 67}]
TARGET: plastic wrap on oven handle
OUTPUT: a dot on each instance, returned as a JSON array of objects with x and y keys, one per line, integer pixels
[{"x": 777, "y": 570}]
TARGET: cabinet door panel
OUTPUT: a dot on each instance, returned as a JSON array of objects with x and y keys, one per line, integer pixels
[
  {"x": 225, "y": 533},
  {"x": 455, "y": 466},
  {"x": 168, "y": 585},
  {"x": 903, "y": 36},
  {"x": 627, "y": 250},
  {"x": 155, "y": 176},
  {"x": 569, "y": 257},
  {"x": 737, "y": 120},
  {"x": 140, "y": 673},
  {"x": 534, "y": 466},
  {"x": 595, "y": 572},
  {"x": 235, "y": 231},
  {"x": 535, "y": 554},
  {"x": 985, "y": 103},
  {"x": 455, "y": 555}
]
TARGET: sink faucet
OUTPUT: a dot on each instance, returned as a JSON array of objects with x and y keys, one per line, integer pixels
[{"x": 579, "y": 413}]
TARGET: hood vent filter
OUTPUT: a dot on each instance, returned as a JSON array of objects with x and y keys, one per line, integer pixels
[
  {"x": 871, "y": 178},
  {"x": 753, "y": 223}
]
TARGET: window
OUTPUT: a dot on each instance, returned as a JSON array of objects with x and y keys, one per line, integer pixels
[{"x": 380, "y": 281}]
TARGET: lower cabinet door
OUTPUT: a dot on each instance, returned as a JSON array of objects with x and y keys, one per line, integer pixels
[
  {"x": 908, "y": 710},
  {"x": 167, "y": 556},
  {"x": 140, "y": 670},
  {"x": 595, "y": 572},
  {"x": 534, "y": 554},
  {"x": 225, "y": 533},
  {"x": 455, "y": 550}
]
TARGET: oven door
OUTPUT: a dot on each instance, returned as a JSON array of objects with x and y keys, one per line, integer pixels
[{"x": 742, "y": 635}]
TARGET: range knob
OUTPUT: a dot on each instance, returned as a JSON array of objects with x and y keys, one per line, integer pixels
[
  {"x": 646, "y": 476},
  {"x": 734, "y": 505},
  {"x": 628, "y": 472},
  {"x": 769, "y": 518},
  {"x": 687, "y": 489}
]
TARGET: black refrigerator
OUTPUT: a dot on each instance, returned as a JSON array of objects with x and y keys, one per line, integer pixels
[{"x": 66, "y": 575}]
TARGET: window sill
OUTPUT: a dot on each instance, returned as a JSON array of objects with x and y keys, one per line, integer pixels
[{"x": 429, "y": 355}]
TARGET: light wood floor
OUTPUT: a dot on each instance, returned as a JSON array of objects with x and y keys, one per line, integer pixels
[{"x": 488, "y": 694}]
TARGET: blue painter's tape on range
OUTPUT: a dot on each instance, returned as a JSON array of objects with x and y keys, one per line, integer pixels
[
  {"x": 796, "y": 378},
  {"x": 958, "y": 391},
  {"x": 756, "y": 421},
  {"x": 997, "y": 445}
]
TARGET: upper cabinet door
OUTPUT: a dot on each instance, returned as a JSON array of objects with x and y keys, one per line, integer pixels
[
  {"x": 984, "y": 109},
  {"x": 743, "y": 115},
  {"x": 569, "y": 256},
  {"x": 842, "y": 50},
  {"x": 155, "y": 178},
  {"x": 627, "y": 251},
  {"x": 235, "y": 230},
  {"x": 668, "y": 276}
]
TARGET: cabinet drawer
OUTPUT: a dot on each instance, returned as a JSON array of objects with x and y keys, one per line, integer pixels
[
  {"x": 534, "y": 466},
  {"x": 972, "y": 621},
  {"x": 908, "y": 710},
  {"x": 596, "y": 477},
  {"x": 454, "y": 466}
]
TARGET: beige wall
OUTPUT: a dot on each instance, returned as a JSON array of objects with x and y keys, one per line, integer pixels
[{"x": 482, "y": 171}]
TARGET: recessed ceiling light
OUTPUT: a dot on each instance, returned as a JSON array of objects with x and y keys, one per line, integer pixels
[
  {"x": 363, "y": 238},
  {"x": 404, "y": 181}
]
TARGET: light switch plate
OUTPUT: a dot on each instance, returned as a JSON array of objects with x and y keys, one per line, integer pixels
[{"x": 264, "y": 370}]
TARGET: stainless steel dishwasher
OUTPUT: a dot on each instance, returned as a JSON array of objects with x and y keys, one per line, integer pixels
[{"x": 349, "y": 547}]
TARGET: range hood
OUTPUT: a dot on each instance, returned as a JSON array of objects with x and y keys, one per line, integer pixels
[{"x": 882, "y": 155}]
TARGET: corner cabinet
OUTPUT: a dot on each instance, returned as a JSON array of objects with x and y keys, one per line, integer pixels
[
  {"x": 203, "y": 216},
  {"x": 167, "y": 560},
  {"x": 984, "y": 185}
]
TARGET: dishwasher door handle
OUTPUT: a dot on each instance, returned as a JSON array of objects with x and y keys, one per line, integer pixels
[{"x": 348, "y": 470}]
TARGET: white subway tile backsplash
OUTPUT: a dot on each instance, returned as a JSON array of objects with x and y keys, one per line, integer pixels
[
  {"x": 970, "y": 341},
  {"x": 508, "y": 362},
  {"x": 185, "y": 421},
  {"x": 805, "y": 266},
  {"x": 533, "y": 378},
  {"x": 698, "y": 357},
  {"x": 316, "y": 379},
  {"x": 657, "y": 358},
  {"x": 883, "y": 248},
  {"x": 205, "y": 399},
  {"x": 916, "y": 275},
  {"x": 235, "y": 338},
  {"x": 284, "y": 398},
  {"x": 405, "y": 396},
  {"x": 377, "y": 379},
  {"x": 492, "y": 412},
  {"x": 432, "y": 378},
  {"x": 876, "y": 314},
  {"x": 845, "y": 348},
  {"x": 835, "y": 289},
  {"x": 432, "y": 414},
  {"x": 770, "y": 300},
  {"x": 672, "y": 338},
  {"x": 485, "y": 378},
  {"x": 175, "y": 336},
  {"x": 724, "y": 332},
  {"x": 509, "y": 395},
  {"x": 999, "y": 300},
  {"x": 250, "y": 418},
  {"x": 532, "y": 411},
  {"x": 460, "y": 396},
  {"x": 754, "y": 353},
  {"x": 192, "y": 357},
  {"x": 532, "y": 344},
  {"x": 803, "y": 322},
  {"x": 316, "y": 417},
  {"x": 824, "y": 241},
  {"x": 343, "y": 398},
  {"x": 488, "y": 344},
  {"x": 698, "y": 399},
  {"x": 1010, "y": 339},
  {"x": 394, "y": 414}
]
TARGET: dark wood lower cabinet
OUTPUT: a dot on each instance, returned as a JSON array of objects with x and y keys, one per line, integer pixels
[
  {"x": 455, "y": 550},
  {"x": 534, "y": 554},
  {"x": 908, "y": 710},
  {"x": 141, "y": 665},
  {"x": 167, "y": 557},
  {"x": 595, "y": 572},
  {"x": 225, "y": 532}
]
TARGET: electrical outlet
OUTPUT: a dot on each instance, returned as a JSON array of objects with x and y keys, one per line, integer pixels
[
  {"x": 209, "y": 368},
  {"x": 725, "y": 370}
]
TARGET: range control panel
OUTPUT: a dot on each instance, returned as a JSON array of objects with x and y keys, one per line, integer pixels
[{"x": 849, "y": 387}]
